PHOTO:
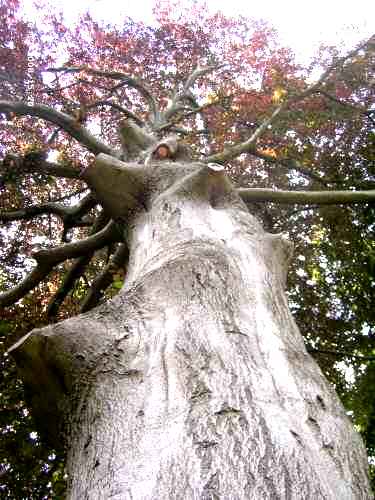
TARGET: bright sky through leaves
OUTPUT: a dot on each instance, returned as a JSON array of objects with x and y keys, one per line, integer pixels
[{"x": 301, "y": 25}]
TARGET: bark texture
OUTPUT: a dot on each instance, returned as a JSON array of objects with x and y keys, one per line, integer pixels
[{"x": 193, "y": 382}]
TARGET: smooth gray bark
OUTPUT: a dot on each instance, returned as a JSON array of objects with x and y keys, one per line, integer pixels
[{"x": 193, "y": 382}]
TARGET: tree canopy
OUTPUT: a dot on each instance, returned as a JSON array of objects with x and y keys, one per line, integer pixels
[{"x": 298, "y": 143}]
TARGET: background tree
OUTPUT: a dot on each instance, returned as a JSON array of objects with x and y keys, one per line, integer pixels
[{"x": 239, "y": 99}]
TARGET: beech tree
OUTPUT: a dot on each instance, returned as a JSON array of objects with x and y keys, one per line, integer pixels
[{"x": 165, "y": 174}]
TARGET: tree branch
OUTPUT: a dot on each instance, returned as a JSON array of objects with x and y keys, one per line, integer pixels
[
  {"x": 67, "y": 123},
  {"x": 48, "y": 259},
  {"x": 121, "y": 109},
  {"x": 105, "y": 278},
  {"x": 179, "y": 99},
  {"x": 114, "y": 75},
  {"x": 248, "y": 145},
  {"x": 70, "y": 195},
  {"x": 134, "y": 139},
  {"x": 32, "y": 211},
  {"x": 167, "y": 126},
  {"x": 289, "y": 164},
  {"x": 341, "y": 354},
  {"x": 198, "y": 73},
  {"x": 67, "y": 214},
  {"x": 119, "y": 186},
  {"x": 354, "y": 107},
  {"x": 75, "y": 272},
  {"x": 33, "y": 162},
  {"x": 74, "y": 216},
  {"x": 78, "y": 248},
  {"x": 70, "y": 216},
  {"x": 251, "y": 195}
]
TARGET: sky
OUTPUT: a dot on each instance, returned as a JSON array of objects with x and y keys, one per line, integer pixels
[{"x": 302, "y": 25}]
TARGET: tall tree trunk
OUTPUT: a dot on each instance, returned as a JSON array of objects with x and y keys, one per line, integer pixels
[{"x": 193, "y": 382}]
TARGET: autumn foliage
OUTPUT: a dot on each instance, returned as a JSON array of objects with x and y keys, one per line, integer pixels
[{"x": 65, "y": 94}]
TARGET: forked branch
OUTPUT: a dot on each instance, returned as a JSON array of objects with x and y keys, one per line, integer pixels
[
  {"x": 67, "y": 214},
  {"x": 76, "y": 271},
  {"x": 183, "y": 100},
  {"x": 125, "y": 79},
  {"x": 48, "y": 259},
  {"x": 72, "y": 216}
]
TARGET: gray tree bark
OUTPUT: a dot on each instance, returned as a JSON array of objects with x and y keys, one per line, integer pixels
[{"x": 193, "y": 382}]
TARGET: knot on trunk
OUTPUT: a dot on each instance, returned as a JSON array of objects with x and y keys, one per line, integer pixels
[{"x": 169, "y": 149}]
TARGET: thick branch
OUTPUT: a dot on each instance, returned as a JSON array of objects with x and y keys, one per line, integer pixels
[
  {"x": 134, "y": 139},
  {"x": 287, "y": 163},
  {"x": 48, "y": 259},
  {"x": 68, "y": 214},
  {"x": 40, "y": 165},
  {"x": 198, "y": 73},
  {"x": 78, "y": 248},
  {"x": 118, "y": 185},
  {"x": 34, "y": 211},
  {"x": 307, "y": 197},
  {"x": 73, "y": 194},
  {"x": 81, "y": 208},
  {"x": 75, "y": 214},
  {"x": 67, "y": 123}
]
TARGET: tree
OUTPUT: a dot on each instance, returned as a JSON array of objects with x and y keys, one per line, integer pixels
[{"x": 195, "y": 367}]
